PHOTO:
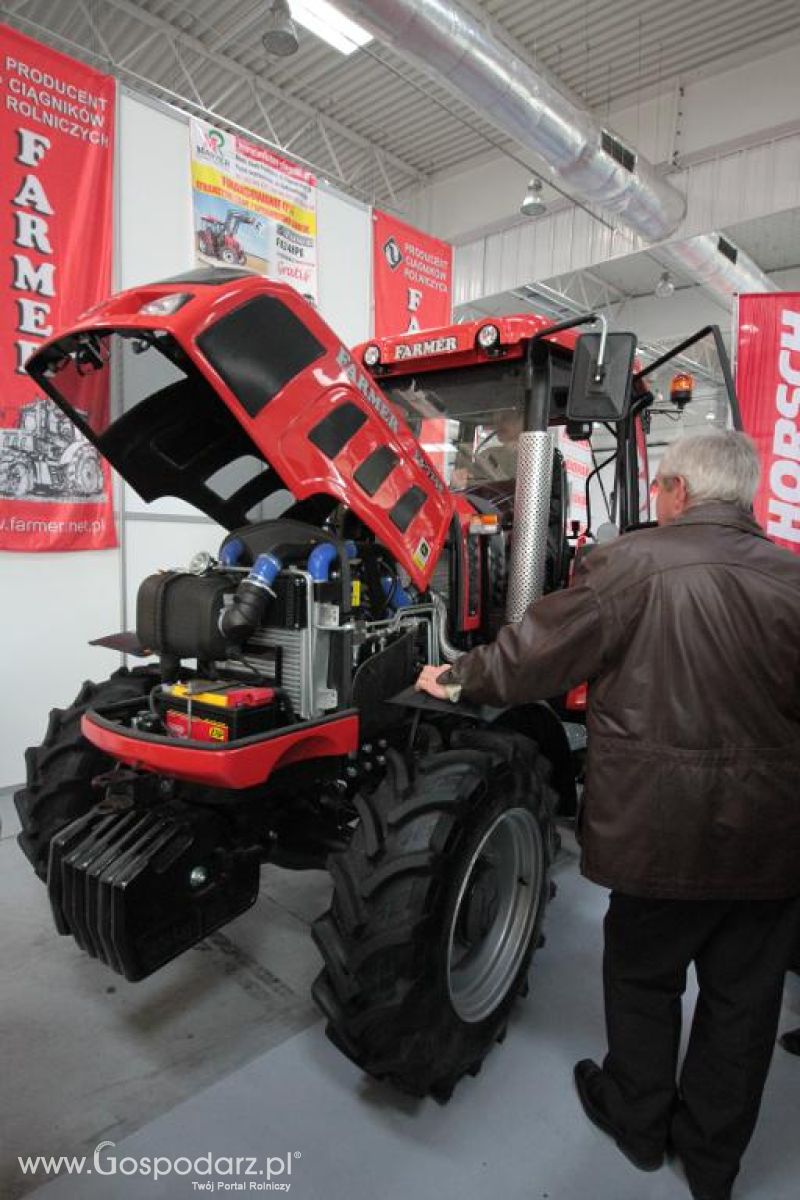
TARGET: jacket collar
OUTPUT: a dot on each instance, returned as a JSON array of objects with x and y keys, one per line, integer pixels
[{"x": 720, "y": 512}]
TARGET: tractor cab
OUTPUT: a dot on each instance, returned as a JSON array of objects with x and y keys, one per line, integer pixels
[{"x": 470, "y": 391}]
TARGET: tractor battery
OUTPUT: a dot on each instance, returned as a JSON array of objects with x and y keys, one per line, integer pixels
[{"x": 208, "y": 712}]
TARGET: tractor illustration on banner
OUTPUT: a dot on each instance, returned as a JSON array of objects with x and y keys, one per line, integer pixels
[{"x": 46, "y": 456}]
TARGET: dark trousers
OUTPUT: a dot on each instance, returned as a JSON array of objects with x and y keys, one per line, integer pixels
[{"x": 741, "y": 950}]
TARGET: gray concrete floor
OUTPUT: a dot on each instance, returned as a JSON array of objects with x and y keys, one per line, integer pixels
[{"x": 223, "y": 1051}]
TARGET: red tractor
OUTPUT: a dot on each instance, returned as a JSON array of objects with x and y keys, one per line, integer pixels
[
  {"x": 276, "y": 720},
  {"x": 217, "y": 238}
]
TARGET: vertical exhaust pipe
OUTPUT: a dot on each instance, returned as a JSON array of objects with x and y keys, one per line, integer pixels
[
  {"x": 531, "y": 521},
  {"x": 535, "y": 454}
]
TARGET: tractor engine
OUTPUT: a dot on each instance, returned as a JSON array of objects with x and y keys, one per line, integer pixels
[
  {"x": 291, "y": 629},
  {"x": 321, "y": 623}
]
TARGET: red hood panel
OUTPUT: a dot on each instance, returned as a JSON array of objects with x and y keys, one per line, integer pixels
[{"x": 324, "y": 427}]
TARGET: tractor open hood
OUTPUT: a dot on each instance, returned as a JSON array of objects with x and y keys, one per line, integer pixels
[
  {"x": 178, "y": 439},
  {"x": 234, "y": 388}
]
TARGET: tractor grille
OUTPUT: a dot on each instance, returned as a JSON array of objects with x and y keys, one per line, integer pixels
[{"x": 440, "y": 579}]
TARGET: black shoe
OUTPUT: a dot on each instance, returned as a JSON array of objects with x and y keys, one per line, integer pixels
[
  {"x": 699, "y": 1192},
  {"x": 587, "y": 1080},
  {"x": 791, "y": 1041},
  {"x": 703, "y": 1191}
]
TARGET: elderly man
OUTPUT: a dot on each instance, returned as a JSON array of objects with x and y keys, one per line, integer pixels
[{"x": 688, "y": 634}]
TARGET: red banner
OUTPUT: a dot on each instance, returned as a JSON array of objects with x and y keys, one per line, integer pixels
[
  {"x": 412, "y": 277},
  {"x": 768, "y": 386},
  {"x": 56, "y": 173}
]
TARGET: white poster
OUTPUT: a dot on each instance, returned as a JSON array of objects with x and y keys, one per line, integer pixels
[{"x": 253, "y": 208}]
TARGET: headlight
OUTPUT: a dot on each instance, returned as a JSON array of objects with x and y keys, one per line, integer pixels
[
  {"x": 488, "y": 337},
  {"x": 371, "y": 356},
  {"x": 165, "y": 305}
]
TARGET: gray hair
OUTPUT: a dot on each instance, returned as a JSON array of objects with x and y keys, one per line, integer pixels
[{"x": 714, "y": 466}]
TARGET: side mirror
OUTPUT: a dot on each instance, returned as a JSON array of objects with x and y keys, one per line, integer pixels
[{"x": 601, "y": 391}]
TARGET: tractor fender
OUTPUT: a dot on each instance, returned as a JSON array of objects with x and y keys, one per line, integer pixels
[
  {"x": 74, "y": 449},
  {"x": 539, "y": 721}
]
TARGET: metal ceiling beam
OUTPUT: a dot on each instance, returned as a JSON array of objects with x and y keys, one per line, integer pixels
[
  {"x": 93, "y": 25},
  {"x": 246, "y": 21},
  {"x": 410, "y": 173},
  {"x": 268, "y": 120},
  {"x": 661, "y": 21},
  {"x": 185, "y": 71},
  {"x": 149, "y": 86},
  {"x": 226, "y": 94},
  {"x": 140, "y": 46},
  {"x": 384, "y": 173},
  {"x": 329, "y": 147},
  {"x": 298, "y": 133}
]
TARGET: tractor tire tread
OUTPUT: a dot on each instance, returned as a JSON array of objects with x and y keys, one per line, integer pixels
[{"x": 375, "y": 989}]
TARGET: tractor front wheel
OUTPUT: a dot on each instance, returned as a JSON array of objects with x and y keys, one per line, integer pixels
[
  {"x": 16, "y": 480},
  {"x": 59, "y": 772},
  {"x": 437, "y": 911}
]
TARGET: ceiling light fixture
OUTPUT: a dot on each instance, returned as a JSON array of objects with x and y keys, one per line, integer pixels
[
  {"x": 280, "y": 36},
  {"x": 665, "y": 286},
  {"x": 326, "y": 22},
  {"x": 533, "y": 205}
]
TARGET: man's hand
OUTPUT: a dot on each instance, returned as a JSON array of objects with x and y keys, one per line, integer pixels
[{"x": 427, "y": 682}]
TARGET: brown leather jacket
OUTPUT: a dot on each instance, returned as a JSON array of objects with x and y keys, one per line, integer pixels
[{"x": 690, "y": 637}]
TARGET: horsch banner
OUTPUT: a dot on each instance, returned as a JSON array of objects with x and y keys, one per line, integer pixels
[
  {"x": 56, "y": 157},
  {"x": 253, "y": 208},
  {"x": 412, "y": 278},
  {"x": 768, "y": 386}
]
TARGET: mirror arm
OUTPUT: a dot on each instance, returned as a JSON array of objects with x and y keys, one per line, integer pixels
[
  {"x": 601, "y": 353},
  {"x": 724, "y": 363}
]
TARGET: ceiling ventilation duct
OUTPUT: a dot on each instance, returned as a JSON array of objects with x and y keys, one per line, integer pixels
[
  {"x": 522, "y": 103},
  {"x": 715, "y": 263}
]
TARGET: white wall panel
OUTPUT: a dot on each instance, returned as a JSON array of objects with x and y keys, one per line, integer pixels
[
  {"x": 50, "y": 606},
  {"x": 155, "y": 197},
  {"x": 744, "y": 184},
  {"x": 345, "y": 241},
  {"x": 737, "y": 103},
  {"x": 152, "y": 546}
]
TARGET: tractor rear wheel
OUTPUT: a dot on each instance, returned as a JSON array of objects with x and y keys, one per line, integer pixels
[
  {"x": 437, "y": 911},
  {"x": 59, "y": 772},
  {"x": 85, "y": 476}
]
